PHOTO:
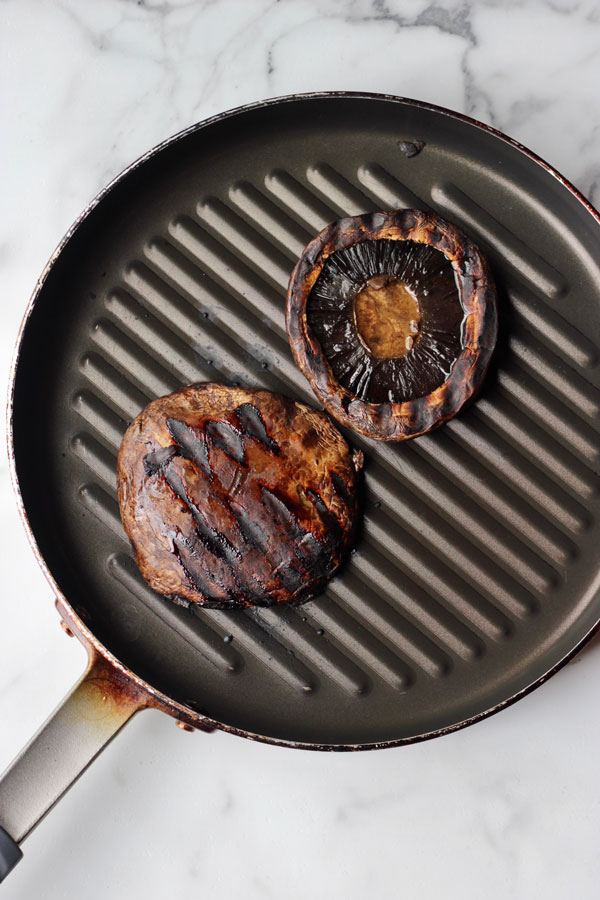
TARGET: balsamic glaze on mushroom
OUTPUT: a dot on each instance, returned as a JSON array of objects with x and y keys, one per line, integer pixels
[{"x": 234, "y": 497}]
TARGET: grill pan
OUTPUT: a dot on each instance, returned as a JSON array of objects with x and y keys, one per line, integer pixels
[{"x": 475, "y": 576}]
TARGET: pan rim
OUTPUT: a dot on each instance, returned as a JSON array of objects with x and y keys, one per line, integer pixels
[{"x": 87, "y": 637}]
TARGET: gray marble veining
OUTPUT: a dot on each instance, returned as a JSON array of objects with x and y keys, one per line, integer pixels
[{"x": 509, "y": 808}]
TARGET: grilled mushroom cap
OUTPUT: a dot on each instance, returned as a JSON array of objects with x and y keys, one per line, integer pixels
[
  {"x": 392, "y": 318},
  {"x": 234, "y": 497}
]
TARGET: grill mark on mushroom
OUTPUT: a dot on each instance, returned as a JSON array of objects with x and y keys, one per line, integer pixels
[
  {"x": 340, "y": 487},
  {"x": 207, "y": 586},
  {"x": 252, "y": 424},
  {"x": 156, "y": 460},
  {"x": 228, "y": 439},
  {"x": 330, "y": 521},
  {"x": 308, "y": 551},
  {"x": 234, "y": 497},
  {"x": 214, "y": 540},
  {"x": 192, "y": 446}
]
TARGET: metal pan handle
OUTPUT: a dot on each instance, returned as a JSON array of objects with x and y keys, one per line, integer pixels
[{"x": 91, "y": 714}]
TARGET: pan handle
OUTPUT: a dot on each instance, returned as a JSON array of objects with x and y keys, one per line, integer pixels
[{"x": 91, "y": 714}]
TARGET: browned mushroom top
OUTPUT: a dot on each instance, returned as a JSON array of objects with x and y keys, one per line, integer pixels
[
  {"x": 234, "y": 497},
  {"x": 392, "y": 318}
]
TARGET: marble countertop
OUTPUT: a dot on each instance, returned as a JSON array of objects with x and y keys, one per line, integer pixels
[{"x": 508, "y": 808}]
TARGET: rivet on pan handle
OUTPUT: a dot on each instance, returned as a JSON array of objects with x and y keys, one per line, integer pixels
[{"x": 91, "y": 714}]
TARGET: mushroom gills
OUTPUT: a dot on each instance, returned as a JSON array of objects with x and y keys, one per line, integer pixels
[{"x": 389, "y": 319}]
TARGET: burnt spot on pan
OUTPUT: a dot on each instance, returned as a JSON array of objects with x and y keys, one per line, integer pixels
[{"x": 410, "y": 148}]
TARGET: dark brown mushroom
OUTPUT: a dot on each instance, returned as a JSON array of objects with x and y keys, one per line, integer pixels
[
  {"x": 392, "y": 317},
  {"x": 233, "y": 497}
]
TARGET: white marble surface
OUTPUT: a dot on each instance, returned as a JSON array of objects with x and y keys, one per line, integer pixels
[{"x": 508, "y": 808}]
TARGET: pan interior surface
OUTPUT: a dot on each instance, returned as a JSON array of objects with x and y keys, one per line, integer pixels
[{"x": 476, "y": 569}]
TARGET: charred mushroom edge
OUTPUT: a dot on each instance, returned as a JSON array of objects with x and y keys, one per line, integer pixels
[{"x": 390, "y": 421}]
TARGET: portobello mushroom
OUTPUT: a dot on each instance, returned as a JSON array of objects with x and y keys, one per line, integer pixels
[
  {"x": 233, "y": 497},
  {"x": 392, "y": 317}
]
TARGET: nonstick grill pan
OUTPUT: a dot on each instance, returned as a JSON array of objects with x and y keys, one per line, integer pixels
[{"x": 475, "y": 575}]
